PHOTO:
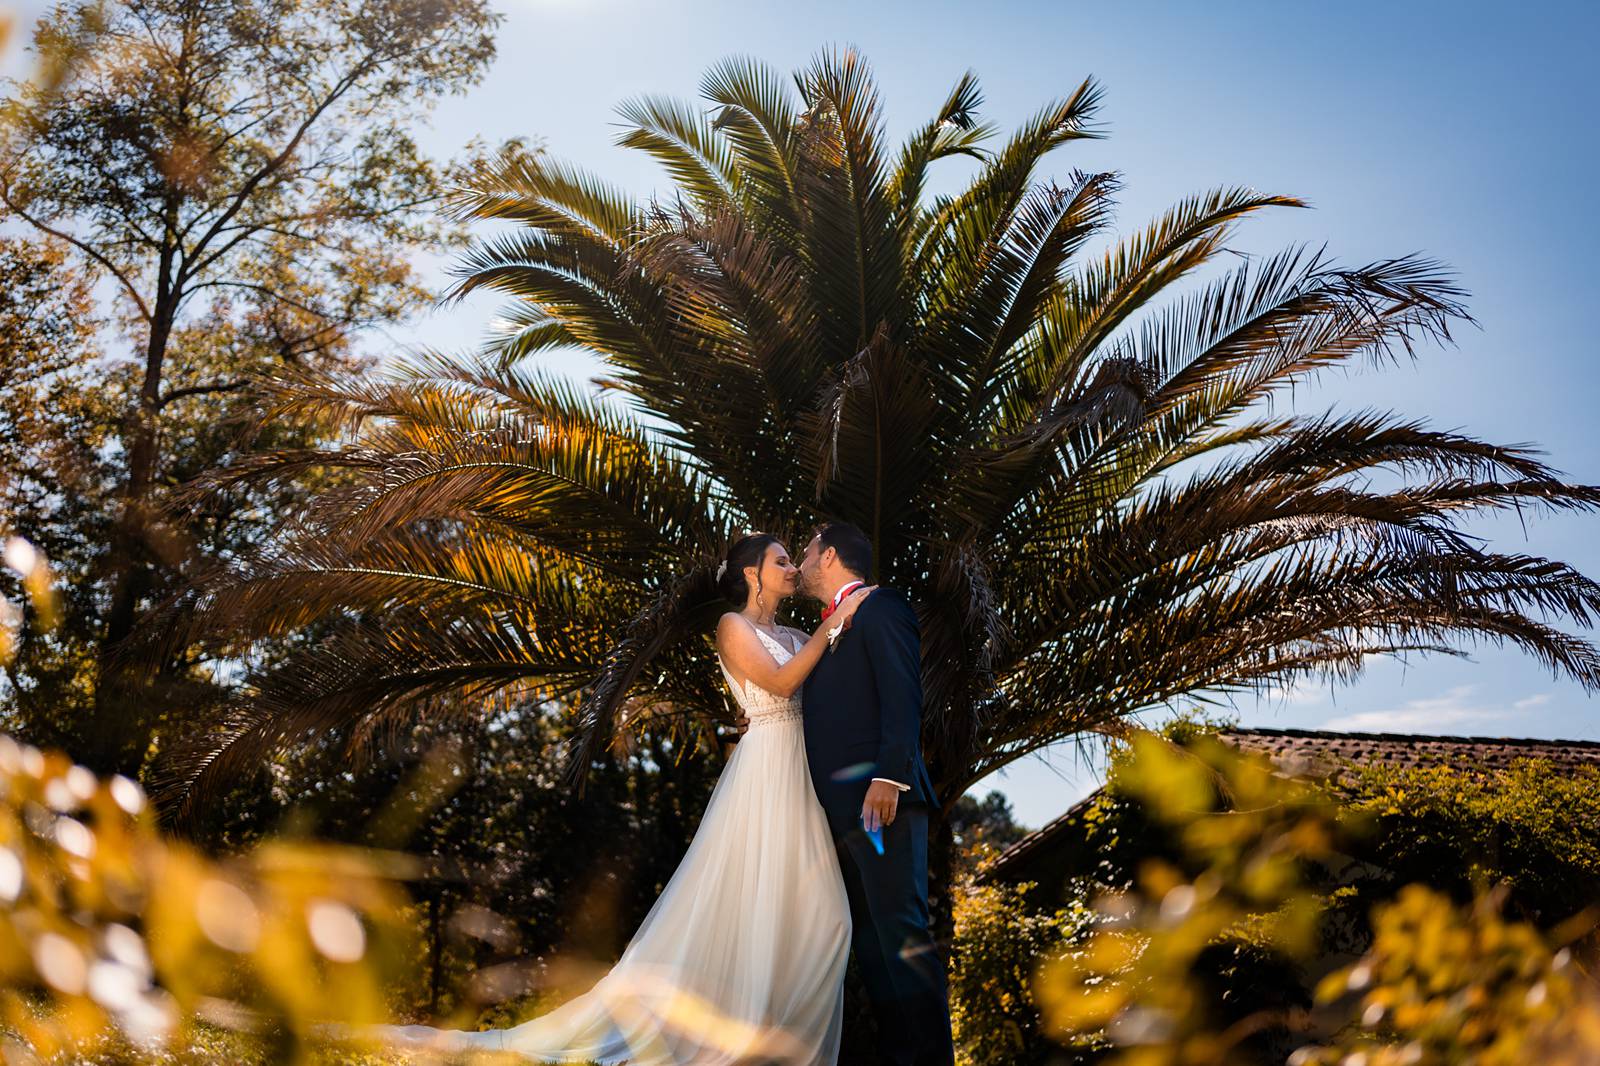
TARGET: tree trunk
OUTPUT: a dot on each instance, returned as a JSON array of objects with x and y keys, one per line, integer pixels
[
  {"x": 435, "y": 955},
  {"x": 119, "y": 734},
  {"x": 941, "y": 869}
]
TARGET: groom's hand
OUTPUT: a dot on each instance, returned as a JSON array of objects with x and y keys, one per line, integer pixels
[
  {"x": 743, "y": 724},
  {"x": 883, "y": 799}
]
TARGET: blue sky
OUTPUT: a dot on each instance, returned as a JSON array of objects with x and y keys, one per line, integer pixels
[{"x": 1463, "y": 131}]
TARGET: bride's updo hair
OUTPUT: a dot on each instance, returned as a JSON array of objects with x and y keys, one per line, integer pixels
[{"x": 748, "y": 550}]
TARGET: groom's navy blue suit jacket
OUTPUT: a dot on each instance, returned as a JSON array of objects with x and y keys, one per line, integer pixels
[{"x": 863, "y": 710}]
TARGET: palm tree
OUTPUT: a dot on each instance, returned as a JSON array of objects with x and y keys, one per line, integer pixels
[{"x": 1061, "y": 452}]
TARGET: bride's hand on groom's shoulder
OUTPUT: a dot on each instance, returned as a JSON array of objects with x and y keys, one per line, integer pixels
[{"x": 847, "y": 609}]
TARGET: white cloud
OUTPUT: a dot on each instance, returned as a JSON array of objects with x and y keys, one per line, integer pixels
[
  {"x": 1299, "y": 693},
  {"x": 1436, "y": 714}
]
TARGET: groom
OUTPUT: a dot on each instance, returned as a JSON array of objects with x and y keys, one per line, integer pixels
[{"x": 863, "y": 725}]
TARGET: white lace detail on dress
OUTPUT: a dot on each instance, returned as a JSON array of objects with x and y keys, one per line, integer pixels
[{"x": 759, "y": 705}]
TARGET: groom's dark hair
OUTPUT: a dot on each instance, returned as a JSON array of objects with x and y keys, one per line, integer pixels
[{"x": 852, "y": 546}]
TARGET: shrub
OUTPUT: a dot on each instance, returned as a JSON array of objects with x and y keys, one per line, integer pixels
[
  {"x": 1439, "y": 982},
  {"x": 999, "y": 943},
  {"x": 119, "y": 944},
  {"x": 1533, "y": 828}
]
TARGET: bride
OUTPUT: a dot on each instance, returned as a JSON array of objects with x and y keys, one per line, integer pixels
[{"x": 742, "y": 957}]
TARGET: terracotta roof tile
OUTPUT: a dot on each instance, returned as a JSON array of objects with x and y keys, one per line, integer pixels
[{"x": 1292, "y": 748}]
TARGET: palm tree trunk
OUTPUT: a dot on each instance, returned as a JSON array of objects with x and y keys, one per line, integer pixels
[{"x": 941, "y": 870}]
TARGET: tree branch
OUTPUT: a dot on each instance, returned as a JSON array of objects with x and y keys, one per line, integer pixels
[
  {"x": 272, "y": 166},
  {"x": 199, "y": 390},
  {"x": 264, "y": 290},
  {"x": 81, "y": 245}
]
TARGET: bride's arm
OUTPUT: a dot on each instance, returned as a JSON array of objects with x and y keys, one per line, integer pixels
[{"x": 748, "y": 658}]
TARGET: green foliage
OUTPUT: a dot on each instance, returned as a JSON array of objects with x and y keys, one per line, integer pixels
[
  {"x": 1447, "y": 983},
  {"x": 1460, "y": 828},
  {"x": 1533, "y": 828},
  {"x": 58, "y": 420},
  {"x": 1242, "y": 837},
  {"x": 1217, "y": 947},
  {"x": 1000, "y": 943},
  {"x": 114, "y": 938}
]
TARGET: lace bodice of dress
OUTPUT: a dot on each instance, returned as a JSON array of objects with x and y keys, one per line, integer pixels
[{"x": 759, "y": 705}]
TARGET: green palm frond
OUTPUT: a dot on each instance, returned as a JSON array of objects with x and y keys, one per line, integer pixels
[
  {"x": 738, "y": 297},
  {"x": 524, "y": 331},
  {"x": 965, "y": 229},
  {"x": 1094, "y": 302},
  {"x": 953, "y": 130},
  {"x": 526, "y": 187},
  {"x": 685, "y": 609},
  {"x": 367, "y": 671},
  {"x": 851, "y": 250},
  {"x": 683, "y": 141},
  {"x": 1232, "y": 345},
  {"x": 757, "y": 114}
]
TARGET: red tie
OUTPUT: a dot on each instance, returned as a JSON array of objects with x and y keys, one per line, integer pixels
[{"x": 839, "y": 598}]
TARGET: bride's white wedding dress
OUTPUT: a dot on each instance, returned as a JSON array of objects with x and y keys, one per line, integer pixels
[{"x": 742, "y": 957}]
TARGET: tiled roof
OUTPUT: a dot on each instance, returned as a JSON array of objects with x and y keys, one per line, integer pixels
[
  {"x": 1300, "y": 751},
  {"x": 1293, "y": 749}
]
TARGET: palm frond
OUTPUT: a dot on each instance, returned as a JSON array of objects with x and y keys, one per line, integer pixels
[
  {"x": 852, "y": 249},
  {"x": 1090, "y": 306},
  {"x": 695, "y": 155},
  {"x": 757, "y": 114},
  {"x": 688, "y": 606},
  {"x": 365, "y": 671},
  {"x": 953, "y": 130},
  {"x": 530, "y": 188}
]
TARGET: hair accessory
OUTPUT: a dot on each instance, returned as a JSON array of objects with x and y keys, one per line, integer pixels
[{"x": 722, "y": 568}]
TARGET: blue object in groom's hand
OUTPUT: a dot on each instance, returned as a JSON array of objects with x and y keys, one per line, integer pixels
[{"x": 874, "y": 835}]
